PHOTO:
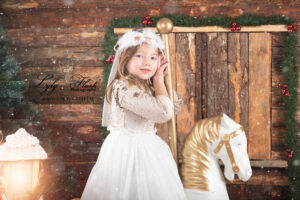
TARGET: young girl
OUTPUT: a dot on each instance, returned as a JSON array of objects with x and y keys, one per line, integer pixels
[{"x": 134, "y": 163}]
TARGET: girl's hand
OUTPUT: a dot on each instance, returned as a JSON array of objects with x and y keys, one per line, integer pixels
[{"x": 161, "y": 72}]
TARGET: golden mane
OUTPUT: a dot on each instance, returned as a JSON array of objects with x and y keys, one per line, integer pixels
[{"x": 196, "y": 163}]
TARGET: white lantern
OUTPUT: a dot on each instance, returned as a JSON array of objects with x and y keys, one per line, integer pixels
[{"x": 20, "y": 164}]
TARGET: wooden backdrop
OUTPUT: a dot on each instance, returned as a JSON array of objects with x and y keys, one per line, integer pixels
[{"x": 58, "y": 46}]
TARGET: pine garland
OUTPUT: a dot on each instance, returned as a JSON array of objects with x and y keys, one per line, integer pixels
[
  {"x": 289, "y": 70},
  {"x": 11, "y": 87}
]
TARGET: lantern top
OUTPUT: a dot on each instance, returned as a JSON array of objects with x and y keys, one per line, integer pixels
[{"x": 21, "y": 146}]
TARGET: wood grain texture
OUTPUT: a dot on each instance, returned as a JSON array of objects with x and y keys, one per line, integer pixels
[
  {"x": 259, "y": 137},
  {"x": 64, "y": 56},
  {"x": 185, "y": 77},
  {"x": 57, "y": 37},
  {"x": 238, "y": 78},
  {"x": 71, "y": 112},
  {"x": 25, "y": 4},
  {"x": 204, "y": 83},
  {"x": 217, "y": 75}
]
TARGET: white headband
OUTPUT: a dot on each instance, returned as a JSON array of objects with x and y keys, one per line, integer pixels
[{"x": 132, "y": 38}]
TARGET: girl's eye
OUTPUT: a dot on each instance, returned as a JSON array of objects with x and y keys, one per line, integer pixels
[
  {"x": 153, "y": 58},
  {"x": 138, "y": 55}
]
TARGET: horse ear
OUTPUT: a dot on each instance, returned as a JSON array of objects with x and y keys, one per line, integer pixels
[{"x": 228, "y": 125}]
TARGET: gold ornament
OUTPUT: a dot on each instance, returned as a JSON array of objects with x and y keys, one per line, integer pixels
[{"x": 164, "y": 26}]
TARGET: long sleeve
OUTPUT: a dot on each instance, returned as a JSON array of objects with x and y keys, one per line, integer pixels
[{"x": 158, "y": 109}]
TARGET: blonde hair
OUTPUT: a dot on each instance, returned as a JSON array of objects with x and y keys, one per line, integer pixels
[{"x": 123, "y": 74}]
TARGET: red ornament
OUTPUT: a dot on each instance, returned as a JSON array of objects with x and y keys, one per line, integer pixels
[
  {"x": 149, "y": 23},
  {"x": 234, "y": 27},
  {"x": 287, "y": 94},
  {"x": 112, "y": 58},
  {"x": 291, "y": 28},
  {"x": 107, "y": 60},
  {"x": 290, "y": 155},
  {"x": 147, "y": 17},
  {"x": 145, "y": 22},
  {"x": 284, "y": 86}
]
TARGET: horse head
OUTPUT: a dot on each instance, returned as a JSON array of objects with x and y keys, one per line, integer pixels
[
  {"x": 213, "y": 139},
  {"x": 231, "y": 148}
]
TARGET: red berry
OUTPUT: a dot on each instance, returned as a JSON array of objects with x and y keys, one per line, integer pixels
[
  {"x": 288, "y": 150},
  {"x": 107, "y": 60},
  {"x": 294, "y": 28},
  {"x": 150, "y": 23},
  {"x": 282, "y": 91},
  {"x": 290, "y": 30},
  {"x": 286, "y": 94},
  {"x": 290, "y": 26},
  {"x": 145, "y": 22},
  {"x": 148, "y": 17},
  {"x": 238, "y": 28},
  {"x": 233, "y": 28},
  {"x": 290, "y": 155},
  {"x": 233, "y": 24},
  {"x": 284, "y": 86}
]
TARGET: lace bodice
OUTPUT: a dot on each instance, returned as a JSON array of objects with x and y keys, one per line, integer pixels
[{"x": 133, "y": 108}]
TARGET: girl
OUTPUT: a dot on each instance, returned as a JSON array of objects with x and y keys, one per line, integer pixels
[{"x": 134, "y": 163}]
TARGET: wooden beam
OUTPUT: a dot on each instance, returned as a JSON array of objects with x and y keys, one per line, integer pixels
[
  {"x": 259, "y": 136},
  {"x": 179, "y": 29}
]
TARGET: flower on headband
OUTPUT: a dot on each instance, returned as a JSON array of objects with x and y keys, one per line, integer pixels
[{"x": 137, "y": 37}]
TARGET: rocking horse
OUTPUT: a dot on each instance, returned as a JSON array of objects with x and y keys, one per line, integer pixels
[{"x": 212, "y": 139}]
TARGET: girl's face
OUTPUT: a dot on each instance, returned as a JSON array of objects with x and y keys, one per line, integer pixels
[{"x": 144, "y": 62}]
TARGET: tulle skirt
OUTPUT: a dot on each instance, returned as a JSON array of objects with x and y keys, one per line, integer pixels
[{"x": 134, "y": 165}]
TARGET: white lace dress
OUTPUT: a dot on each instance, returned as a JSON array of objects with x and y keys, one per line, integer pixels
[{"x": 134, "y": 163}]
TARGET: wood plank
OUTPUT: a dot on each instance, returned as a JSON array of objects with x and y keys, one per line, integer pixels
[
  {"x": 217, "y": 75},
  {"x": 219, "y": 29},
  {"x": 259, "y": 137},
  {"x": 278, "y": 116},
  {"x": 204, "y": 83},
  {"x": 64, "y": 85},
  {"x": 71, "y": 112},
  {"x": 269, "y": 163},
  {"x": 57, "y": 37},
  {"x": 82, "y": 17},
  {"x": 50, "y": 57},
  {"x": 238, "y": 78},
  {"x": 278, "y": 39},
  {"x": 198, "y": 75},
  {"x": 279, "y": 154},
  {"x": 185, "y": 76},
  {"x": 76, "y": 131},
  {"x": 25, "y": 4},
  {"x": 262, "y": 176},
  {"x": 258, "y": 192}
]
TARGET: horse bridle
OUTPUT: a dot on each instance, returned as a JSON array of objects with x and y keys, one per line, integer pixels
[{"x": 226, "y": 140}]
